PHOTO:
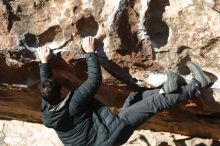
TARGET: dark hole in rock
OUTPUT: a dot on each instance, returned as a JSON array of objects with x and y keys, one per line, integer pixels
[
  {"x": 144, "y": 139},
  {"x": 129, "y": 39},
  {"x": 87, "y": 27},
  {"x": 157, "y": 29},
  {"x": 31, "y": 40},
  {"x": 163, "y": 144},
  {"x": 53, "y": 33},
  {"x": 12, "y": 18},
  {"x": 76, "y": 9},
  {"x": 19, "y": 9},
  {"x": 181, "y": 49}
]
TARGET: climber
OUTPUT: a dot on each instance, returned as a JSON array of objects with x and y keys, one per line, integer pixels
[{"x": 81, "y": 120}]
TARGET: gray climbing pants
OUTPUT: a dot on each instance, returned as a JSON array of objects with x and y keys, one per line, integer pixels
[{"x": 140, "y": 106}]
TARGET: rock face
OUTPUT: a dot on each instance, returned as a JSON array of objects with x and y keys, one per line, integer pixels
[
  {"x": 19, "y": 133},
  {"x": 134, "y": 39}
]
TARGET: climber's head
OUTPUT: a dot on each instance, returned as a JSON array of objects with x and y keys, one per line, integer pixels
[{"x": 51, "y": 91}]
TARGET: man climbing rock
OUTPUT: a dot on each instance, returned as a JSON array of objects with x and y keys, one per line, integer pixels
[{"x": 81, "y": 120}]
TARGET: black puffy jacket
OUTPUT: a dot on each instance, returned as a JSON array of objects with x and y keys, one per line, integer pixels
[{"x": 81, "y": 120}]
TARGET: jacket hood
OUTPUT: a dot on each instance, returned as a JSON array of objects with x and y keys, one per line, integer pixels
[{"x": 53, "y": 118}]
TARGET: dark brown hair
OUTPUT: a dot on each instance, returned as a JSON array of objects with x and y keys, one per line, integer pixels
[{"x": 50, "y": 91}]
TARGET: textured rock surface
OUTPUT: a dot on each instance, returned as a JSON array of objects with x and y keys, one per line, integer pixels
[
  {"x": 134, "y": 40},
  {"x": 18, "y": 133}
]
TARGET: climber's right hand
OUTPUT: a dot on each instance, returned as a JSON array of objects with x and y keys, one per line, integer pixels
[
  {"x": 88, "y": 44},
  {"x": 44, "y": 54}
]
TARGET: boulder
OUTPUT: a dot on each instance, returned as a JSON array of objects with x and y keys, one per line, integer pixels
[{"x": 134, "y": 39}]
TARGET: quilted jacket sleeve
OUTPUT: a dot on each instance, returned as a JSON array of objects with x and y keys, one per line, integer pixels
[{"x": 89, "y": 88}]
